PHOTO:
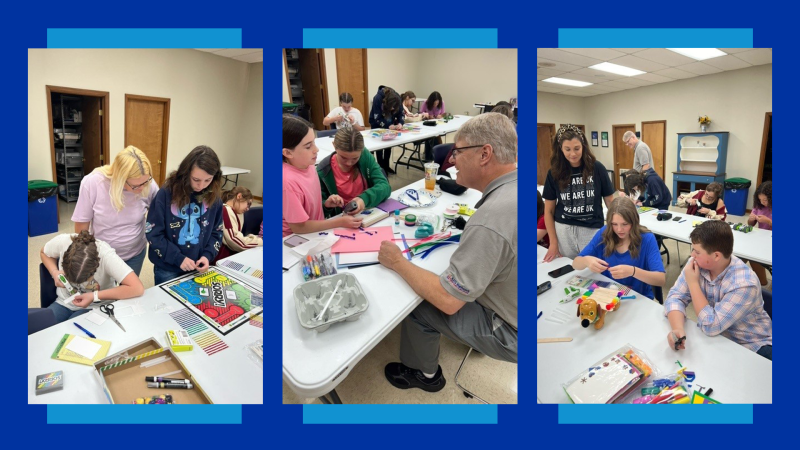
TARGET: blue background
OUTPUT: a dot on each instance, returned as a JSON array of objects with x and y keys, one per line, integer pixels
[{"x": 279, "y": 25}]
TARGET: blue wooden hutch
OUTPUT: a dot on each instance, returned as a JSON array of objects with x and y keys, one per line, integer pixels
[{"x": 701, "y": 161}]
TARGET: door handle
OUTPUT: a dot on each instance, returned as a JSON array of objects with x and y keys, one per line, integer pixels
[{"x": 159, "y": 161}]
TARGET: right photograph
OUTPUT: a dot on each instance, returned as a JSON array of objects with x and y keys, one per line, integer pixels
[
  {"x": 654, "y": 225},
  {"x": 399, "y": 226}
]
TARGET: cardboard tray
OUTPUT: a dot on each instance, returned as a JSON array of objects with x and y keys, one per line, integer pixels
[{"x": 123, "y": 381}]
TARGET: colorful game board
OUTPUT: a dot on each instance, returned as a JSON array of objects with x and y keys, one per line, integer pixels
[{"x": 217, "y": 298}]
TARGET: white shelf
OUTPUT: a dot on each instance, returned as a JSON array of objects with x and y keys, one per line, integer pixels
[
  {"x": 705, "y": 154},
  {"x": 700, "y": 141},
  {"x": 698, "y": 166}
]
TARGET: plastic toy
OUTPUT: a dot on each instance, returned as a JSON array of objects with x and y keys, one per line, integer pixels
[
  {"x": 594, "y": 304},
  {"x": 744, "y": 228}
]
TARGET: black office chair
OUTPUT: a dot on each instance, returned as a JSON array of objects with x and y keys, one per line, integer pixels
[
  {"x": 658, "y": 293},
  {"x": 440, "y": 153},
  {"x": 252, "y": 220},
  {"x": 39, "y": 319},
  {"x": 325, "y": 133},
  {"x": 47, "y": 287},
  {"x": 767, "y": 296}
]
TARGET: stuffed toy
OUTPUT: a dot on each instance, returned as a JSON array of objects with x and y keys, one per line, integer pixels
[{"x": 595, "y": 303}]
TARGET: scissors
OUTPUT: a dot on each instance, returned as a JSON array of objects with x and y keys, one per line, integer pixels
[
  {"x": 413, "y": 195},
  {"x": 109, "y": 309}
]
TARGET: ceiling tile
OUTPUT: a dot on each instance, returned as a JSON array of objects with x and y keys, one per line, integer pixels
[
  {"x": 229, "y": 52},
  {"x": 654, "y": 78},
  {"x": 757, "y": 56},
  {"x": 699, "y": 68},
  {"x": 734, "y": 50},
  {"x": 611, "y": 88},
  {"x": 578, "y": 77},
  {"x": 675, "y": 73},
  {"x": 208, "y": 49},
  {"x": 576, "y": 93},
  {"x": 598, "y": 75},
  {"x": 562, "y": 66},
  {"x": 552, "y": 88},
  {"x": 638, "y": 81},
  {"x": 254, "y": 57},
  {"x": 634, "y": 62},
  {"x": 603, "y": 54},
  {"x": 664, "y": 56},
  {"x": 549, "y": 72},
  {"x": 618, "y": 84},
  {"x": 569, "y": 58},
  {"x": 728, "y": 62},
  {"x": 628, "y": 50},
  {"x": 540, "y": 77}
]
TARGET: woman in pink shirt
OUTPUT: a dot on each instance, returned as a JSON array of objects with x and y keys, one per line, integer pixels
[
  {"x": 302, "y": 196},
  {"x": 433, "y": 108},
  {"x": 761, "y": 215},
  {"x": 114, "y": 200}
]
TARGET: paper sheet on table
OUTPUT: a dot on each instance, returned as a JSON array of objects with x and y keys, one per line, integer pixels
[
  {"x": 315, "y": 245},
  {"x": 390, "y": 205},
  {"x": 83, "y": 347},
  {"x": 358, "y": 258},
  {"x": 96, "y": 317},
  {"x": 363, "y": 242},
  {"x": 121, "y": 312}
]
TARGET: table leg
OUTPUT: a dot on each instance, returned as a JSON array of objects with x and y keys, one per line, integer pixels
[{"x": 334, "y": 400}]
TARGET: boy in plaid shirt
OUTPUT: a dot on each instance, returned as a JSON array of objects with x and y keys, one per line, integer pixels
[{"x": 724, "y": 292}]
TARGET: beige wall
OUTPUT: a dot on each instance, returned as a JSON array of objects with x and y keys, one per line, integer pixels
[
  {"x": 736, "y": 101},
  {"x": 561, "y": 109},
  {"x": 492, "y": 75},
  {"x": 209, "y": 96},
  {"x": 250, "y": 144}
]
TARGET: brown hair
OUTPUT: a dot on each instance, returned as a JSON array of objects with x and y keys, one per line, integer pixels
[
  {"x": 345, "y": 97},
  {"x": 391, "y": 103},
  {"x": 407, "y": 94},
  {"x": 81, "y": 259},
  {"x": 179, "y": 181},
  {"x": 435, "y": 95},
  {"x": 626, "y": 209},
  {"x": 231, "y": 194},
  {"x": 560, "y": 168},
  {"x": 505, "y": 110},
  {"x": 295, "y": 128},
  {"x": 766, "y": 189},
  {"x": 348, "y": 140},
  {"x": 714, "y": 236},
  {"x": 539, "y": 205},
  {"x": 716, "y": 188},
  {"x": 634, "y": 180}
]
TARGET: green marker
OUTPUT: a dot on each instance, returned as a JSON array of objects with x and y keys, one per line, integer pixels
[{"x": 66, "y": 284}]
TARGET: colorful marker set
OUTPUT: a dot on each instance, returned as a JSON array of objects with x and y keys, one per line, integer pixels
[
  {"x": 239, "y": 267},
  {"x": 317, "y": 266},
  {"x": 210, "y": 342}
]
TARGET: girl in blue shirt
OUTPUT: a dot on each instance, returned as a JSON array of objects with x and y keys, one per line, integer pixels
[{"x": 624, "y": 251}]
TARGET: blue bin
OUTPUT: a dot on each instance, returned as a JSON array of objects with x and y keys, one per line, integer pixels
[
  {"x": 42, "y": 209},
  {"x": 736, "y": 192}
]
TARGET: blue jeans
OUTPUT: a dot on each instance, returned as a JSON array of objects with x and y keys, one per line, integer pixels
[
  {"x": 766, "y": 352},
  {"x": 136, "y": 262},
  {"x": 63, "y": 313},
  {"x": 163, "y": 275}
]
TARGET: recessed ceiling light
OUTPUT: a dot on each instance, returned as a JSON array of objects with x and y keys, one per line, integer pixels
[
  {"x": 567, "y": 82},
  {"x": 617, "y": 69},
  {"x": 699, "y": 54}
]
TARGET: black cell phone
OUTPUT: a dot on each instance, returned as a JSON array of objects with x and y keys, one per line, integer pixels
[
  {"x": 675, "y": 219},
  {"x": 561, "y": 271},
  {"x": 544, "y": 287}
]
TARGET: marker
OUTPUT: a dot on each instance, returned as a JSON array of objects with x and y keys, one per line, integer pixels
[
  {"x": 170, "y": 385},
  {"x": 684, "y": 220},
  {"x": 85, "y": 331},
  {"x": 168, "y": 380},
  {"x": 628, "y": 297},
  {"x": 306, "y": 272},
  {"x": 540, "y": 315}
]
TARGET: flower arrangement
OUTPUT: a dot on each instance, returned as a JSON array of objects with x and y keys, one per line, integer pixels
[{"x": 704, "y": 120}]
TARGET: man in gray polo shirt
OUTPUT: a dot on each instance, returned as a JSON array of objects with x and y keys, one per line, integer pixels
[
  {"x": 475, "y": 300},
  {"x": 642, "y": 156}
]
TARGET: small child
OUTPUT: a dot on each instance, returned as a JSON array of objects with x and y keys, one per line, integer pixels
[
  {"x": 92, "y": 268},
  {"x": 723, "y": 291},
  {"x": 762, "y": 215},
  {"x": 184, "y": 225},
  {"x": 541, "y": 229},
  {"x": 235, "y": 203},
  {"x": 302, "y": 195}
]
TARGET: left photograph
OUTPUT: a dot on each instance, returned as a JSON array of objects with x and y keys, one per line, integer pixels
[{"x": 145, "y": 226}]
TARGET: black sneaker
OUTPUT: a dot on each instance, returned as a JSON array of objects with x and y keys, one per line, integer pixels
[
  {"x": 390, "y": 171},
  {"x": 404, "y": 377}
]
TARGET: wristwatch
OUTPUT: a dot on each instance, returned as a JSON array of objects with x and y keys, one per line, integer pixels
[{"x": 95, "y": 297}]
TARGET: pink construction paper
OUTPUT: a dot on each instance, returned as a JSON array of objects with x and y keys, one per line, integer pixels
[{"x": 363, "y": 242}]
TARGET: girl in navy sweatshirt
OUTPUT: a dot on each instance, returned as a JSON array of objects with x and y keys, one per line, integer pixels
[{"x": 184, "y": 224}]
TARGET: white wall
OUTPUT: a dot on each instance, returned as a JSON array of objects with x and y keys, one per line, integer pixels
[
  {"x": 396, "y": 68},
  {"x": 736, "y": 101},
  {"x": 209, "y": 95},
  {"x": 250, "y": 144},
  {"x": 561, "y": 109}
]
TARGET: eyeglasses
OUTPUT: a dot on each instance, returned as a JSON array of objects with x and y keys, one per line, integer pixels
[
  {"x": 457, "y": 150},
  {"x": 139, "y": 185}
]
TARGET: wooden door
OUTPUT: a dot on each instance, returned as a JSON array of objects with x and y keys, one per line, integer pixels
[
  {"x": 313, "y": 87},
  {"x": 147, "y": 128},
  {"x": 92, "y": 137},
  {"x": 654, "y": 134},
  {"x": 623, "y": 156},
  {"x": 544, "y": 148},
  {"x": 765, "y": 160},
  {"x": 351, "y": 73}
]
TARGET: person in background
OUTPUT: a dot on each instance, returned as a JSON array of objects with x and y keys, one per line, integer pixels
[
  {"x": 433, "y": 108},
  {"x": 707, "y": 203},
  {"x": 235, "y": 203},
  {"x": 761, "y": 215},
  {"x": 344, "y": 115},
  {"x": 387, "y": 112},
  {"x": 642, "y": 156},
  {"x": 408, "y": 98},
  {"x": 541, "y": 227}
]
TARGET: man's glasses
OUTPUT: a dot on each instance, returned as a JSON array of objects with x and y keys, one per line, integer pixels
[
  {"x": 139, "y": 185},
  {"x": 457, "y": 150}
]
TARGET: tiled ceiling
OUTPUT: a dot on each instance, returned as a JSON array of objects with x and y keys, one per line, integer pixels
[
  {"x": 661, "y": 66},
  {"x": 248, "y": 55}
]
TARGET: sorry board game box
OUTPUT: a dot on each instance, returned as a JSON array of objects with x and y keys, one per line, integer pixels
[{"x": 218, "y": 298}]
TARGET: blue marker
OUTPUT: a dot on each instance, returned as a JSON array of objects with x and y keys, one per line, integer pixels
[
  {"x": 85, "y": 330},
  {"x": 540, "y": 315}
]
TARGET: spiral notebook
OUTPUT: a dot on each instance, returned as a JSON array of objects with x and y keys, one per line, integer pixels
[{"x": 63, "y": 353}]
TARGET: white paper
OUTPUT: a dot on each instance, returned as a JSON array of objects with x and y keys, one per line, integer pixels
[
  {"x": 84, "y": 347},
  {"x": 96, "y": 318},
  {"x": 315, "y": 245},
  {"x": 123, "y": 311},
  {"x": 71, "y": 299},
  {"x": 357, "y": 258},
  {"x": 452, "y": 171}
]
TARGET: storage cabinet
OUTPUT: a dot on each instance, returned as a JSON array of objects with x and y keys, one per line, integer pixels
[
  {"x": 67, "y": 135},
  {"x": 701, "y": 161}
]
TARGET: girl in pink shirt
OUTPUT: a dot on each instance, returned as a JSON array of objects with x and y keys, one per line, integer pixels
[
  {"x": 433, "y": 108},
  {"x": 761, "y": 215},
  {"x": 114, "y": 199},
  {"x": 302, "y": 196}
]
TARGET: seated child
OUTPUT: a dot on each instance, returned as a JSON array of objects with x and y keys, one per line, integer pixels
[
  {"x": 624, "y": 250},
  {"x": 235, "y": 203},
  {"x": 723, "y": 291},
  {"x": 761, "y": 215},
  {"x": 92, "y": 268},
  {"x": 706, "y": 203},
  {"x": 541, "y": 230}
]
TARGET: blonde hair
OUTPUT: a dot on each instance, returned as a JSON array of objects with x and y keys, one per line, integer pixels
[
  {"x": 625, "y": 208},
  {"x": 129, "y": 163}
]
